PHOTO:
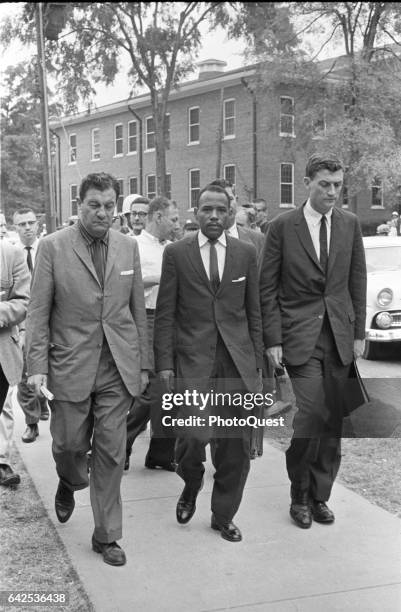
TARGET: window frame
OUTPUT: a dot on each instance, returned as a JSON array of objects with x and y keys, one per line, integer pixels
[
  {"x": 225, "y": 119},
  {"x": 191, "y": 125},
  {"x": 93, "y": 144},
  {"x": 132, "y": 178},
  {"x": 192, "y": 189},
  {"x": 72, "y": 200},
  {"x": 292, "y": 115},
  {"x": 147, "y": 133},
  {"x": 118, "y": 125},
  {"x": 129, "y": 137},
  {"x": 286, "y": 204},
  {"x": 379, "y": 186},
  {"x": 71, "y": 149},
  {"x": 225, "y": 166},
  {"x": 148, "y": 176}
]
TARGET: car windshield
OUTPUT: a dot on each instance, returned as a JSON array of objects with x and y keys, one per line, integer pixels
[{"x": 383, "y": 258}]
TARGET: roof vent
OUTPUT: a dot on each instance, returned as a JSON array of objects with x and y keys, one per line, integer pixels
[{"x": 210, "y": 68}]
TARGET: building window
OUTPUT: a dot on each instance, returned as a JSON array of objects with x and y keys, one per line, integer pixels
[
  {"x": 95, "y": 144},
  {"x": 167, "y": 131},
  {"x": 73, "y": 199},
  {"x": 118, "y": 139},
  {"x": 150, "y": 134},
  {"x": 193, "y": 125},
  {"x": 133, "y": 184},
  {"x": 229, "y": 173},
  {"x": 286, "y": 185},
  {"x": 377, "y": 193},
  {"x": 194, "y": 187},
  {"x": 132, "y": 137},
  {"x": 121, "y": 196},
  {"x": 286, "y": 116},
  {"x": 229, "y": 119},
  {"x": 73, "y": 149},
  {"x": 151, "y": 186}
]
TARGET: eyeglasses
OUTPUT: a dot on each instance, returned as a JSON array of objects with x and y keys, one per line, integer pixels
[
  {"x": 26, "y": 224},
  {"x": 139, "y": 214}
]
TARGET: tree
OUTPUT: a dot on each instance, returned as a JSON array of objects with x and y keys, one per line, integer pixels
[{"x": 21, "y": 172}]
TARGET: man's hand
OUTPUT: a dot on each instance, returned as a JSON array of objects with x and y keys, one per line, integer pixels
[
  {"x": 275, "y": 355},
  {"x": 167, "y": 378},
  {"x": 22, "y": 338},
  {"x": 144, "y": 380},
  {"x": 36, "y": 381},
  {"x": 359, "y": 347}
]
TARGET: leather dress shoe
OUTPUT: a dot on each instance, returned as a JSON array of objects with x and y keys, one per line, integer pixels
[
  {"x": 31, "y": 433},
  {"x": 300, "y": 510},
  {"x": 321, "y": 513},
  {"x": 44, "y": 416},
  {"x": 186, "y": 504},
  {"x": 64, "y": 502},
  {"x": 7, "y": 476},
  {"x": 169, "y": 466},
  {"x": 228, "y": 531},
  {"x": 112, "y": 553}
]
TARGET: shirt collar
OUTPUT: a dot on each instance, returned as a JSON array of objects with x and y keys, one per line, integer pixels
[
  {"x": 202, "y": 239},
  {"x": 233, "y": 230},
  {"x": 313, "y": 216},
  {"x": 90, "y": 239},
  {"x": 150, "y": 236}
]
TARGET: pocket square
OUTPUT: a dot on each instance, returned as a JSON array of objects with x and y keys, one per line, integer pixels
[
  {"x": 126, "y": 272},
  {"x": 238, "y": 280}
]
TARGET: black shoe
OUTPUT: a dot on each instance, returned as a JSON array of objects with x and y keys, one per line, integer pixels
[
  {"x": 44, "y": 416},
  {"x": 228, "y": 531},
  {"x": 31, "y": 433},
  {"x": 186, "y": 504},
  {"x": 64, "y": 502},
  {"x": 300, "y": 510},
  {"x": 112, "y": 553},
  {"x": 169, "y": 466},
  {"x": 321, "y": 513},
  {"x": 7, "y": 476}
]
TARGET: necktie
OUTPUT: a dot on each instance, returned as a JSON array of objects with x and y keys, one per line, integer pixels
[
  {"x": 213, "y": 266},
  {"x": 29, "y": 258},
  {"x": 324, "y": 256},
  {"x": 98, "y": 260}
]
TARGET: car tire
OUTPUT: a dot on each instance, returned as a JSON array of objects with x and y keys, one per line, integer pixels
[{"x": 371, "y": 351}]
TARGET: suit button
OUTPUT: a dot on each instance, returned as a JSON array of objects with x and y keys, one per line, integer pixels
[
  {"x": 320, "y": 317},
  {"x": 99, "y": 345}
]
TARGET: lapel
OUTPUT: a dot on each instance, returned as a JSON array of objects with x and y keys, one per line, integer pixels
[
  {"x": 80, "y": 248},
  {"x": 111, "y": 254},
  {"x": 336, "y": 237},
  {"x": 302, "y": 230},
  {"x": 228, "y": 265},
  {"x": 196, "y": 262}
]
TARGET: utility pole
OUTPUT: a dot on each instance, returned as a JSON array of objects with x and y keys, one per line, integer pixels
[{"x": 44, "y": 124}]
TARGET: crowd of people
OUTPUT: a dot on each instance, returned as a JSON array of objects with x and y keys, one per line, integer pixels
[{"x": 105, "y": 318}]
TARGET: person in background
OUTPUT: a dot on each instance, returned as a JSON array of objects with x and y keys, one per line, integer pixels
[
  {"x": 262, "y": 214},
  {"x": 139, "y": 213},
  {"x": 190, "y": 226},
  {"x": 87, "y": 343},
  {"x": 242, "y": 218},
  {"x": 14, "y": 297},
  {"x": 34, "y": 406}
]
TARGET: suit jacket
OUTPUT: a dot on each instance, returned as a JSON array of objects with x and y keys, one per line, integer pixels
[
  {"x": 252, "y": 237},
  {"x": 189, "y": 316},
  {"x": 295, "y": 294},
  {"x": 14, "y": 298},
  {"x": 69, "y": 314}
]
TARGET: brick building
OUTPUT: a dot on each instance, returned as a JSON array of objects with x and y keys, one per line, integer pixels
[{"x": 214, "y": 117}]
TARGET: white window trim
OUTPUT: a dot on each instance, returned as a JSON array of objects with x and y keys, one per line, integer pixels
[
  {"x": 72, "y": 163},
  {"x": 288, "y": 134},
  {"x": 377, "y": 206},
  {"x": 189, "y": 185},
  {"x": 284, "y": 205},
  {"x": 229, "y": 136},
  {"x": 129, "y": 183},
  {"x": 116, "y": 125},
  {"x": 71, "y": 198},
  {"x": 191, "y": 143},
  {"x": 235, "y": 172},
  {"x": 147, "y": 185},
  {"x": 146, "y": 135},
  {"x": 128, "y": 137},
  {"x": 95, "y": 159}
]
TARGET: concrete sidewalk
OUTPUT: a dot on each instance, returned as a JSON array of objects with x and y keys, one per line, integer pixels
[{"x": 353, "y": 565}]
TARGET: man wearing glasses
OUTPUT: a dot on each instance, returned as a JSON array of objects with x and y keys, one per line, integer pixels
[
  {"x": 139, "y": 214},
  {"x": 34, "y": 407}
]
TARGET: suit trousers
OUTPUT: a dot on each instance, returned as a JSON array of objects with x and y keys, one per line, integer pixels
[
  {"x": 6, "y": 430},
  {"x": 230, "y": 455},
  {"x": 97, "y": 422},
  {"x": 147, "y": 407},
  {"x": 314, "y": 455},
  {"x": 3, "y": 388},
  {"x": 32, "y": 405}
]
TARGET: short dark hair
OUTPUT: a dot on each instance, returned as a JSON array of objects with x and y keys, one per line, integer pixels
[
  {"x": 140, "y": 200},
  {"x": 322, "y": 161},
  {"x": 24, "y": 211},
  {"x": 216, "y": 188},
  {"x": 100, "y": 181},
  {"x": 159, "y": 203}
]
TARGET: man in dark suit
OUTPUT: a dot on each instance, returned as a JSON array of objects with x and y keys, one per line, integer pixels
[
  {"x": 208, "y": 336},
  {"x": 313, "y": 297},
  {"x": 87, "y": 341}
]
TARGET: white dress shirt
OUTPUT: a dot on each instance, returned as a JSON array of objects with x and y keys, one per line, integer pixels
[
  {"x": 233, "y": 231},
  {"x": 151, "y": 256},
  {"x": 34, "y": 248},
  {"x": 204, "y": 247},
  {"x": 313, "y": 219}
]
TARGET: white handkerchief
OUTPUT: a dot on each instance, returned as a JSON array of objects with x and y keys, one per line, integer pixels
[
  {"x": 126, "y": 272},
  {"x": 238, "y": 280}
]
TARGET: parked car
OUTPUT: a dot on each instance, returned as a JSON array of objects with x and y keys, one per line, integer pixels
[{"x": 383, "y": 307}]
